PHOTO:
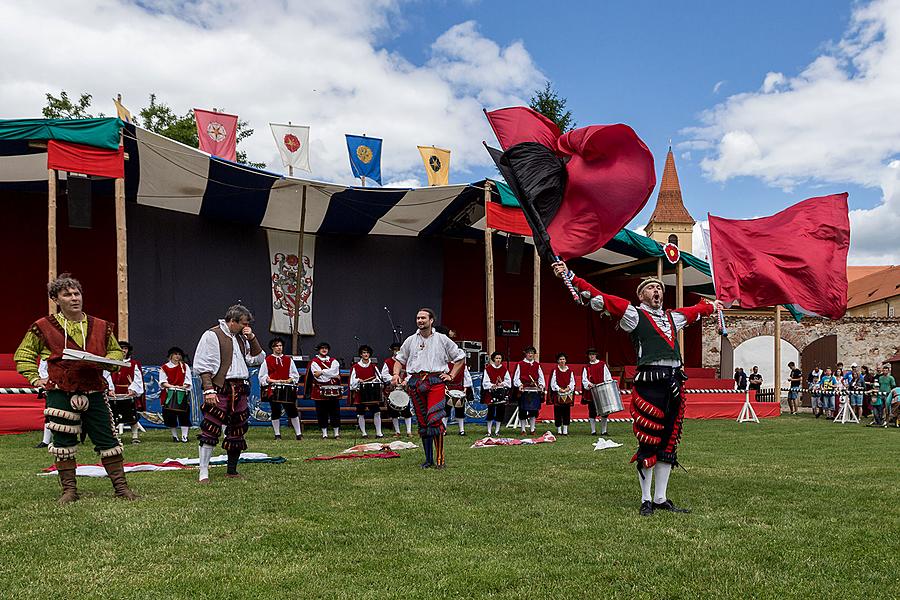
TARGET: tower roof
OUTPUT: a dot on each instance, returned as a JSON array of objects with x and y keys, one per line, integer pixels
[{"x": 669, "y": 205}]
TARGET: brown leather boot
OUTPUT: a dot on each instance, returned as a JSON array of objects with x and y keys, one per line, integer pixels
[
  {"x": 116, "y": 472},
  {"x": 65, "y": 469}
]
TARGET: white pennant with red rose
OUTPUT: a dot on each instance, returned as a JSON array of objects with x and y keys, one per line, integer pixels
[
  {"x": 284, "y": 265},
  {"x": 293, "y": 145}
]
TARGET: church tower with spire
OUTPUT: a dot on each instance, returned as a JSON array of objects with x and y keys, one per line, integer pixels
[{"x": 670, "y": 220}]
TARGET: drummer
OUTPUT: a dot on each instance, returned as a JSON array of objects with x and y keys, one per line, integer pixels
[
  {"x": 325, "y": 370},
  {"x": 461, "y": 383},
  {"x": 495, "y": 383},
  {"x": 365, "y": 371},
  {"x": 529, "y": 379},
  {"x": 562, "y": 394},
  {"x": 175, "y": 374},
  {"x": 387, "y": 370},
  {"x": 280, "y": 369},
  {"x": 595, "y": 372},
  {"x": 129, "y": 381}
]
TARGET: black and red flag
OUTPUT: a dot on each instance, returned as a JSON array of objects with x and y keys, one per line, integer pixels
[{"x": 577, "y": 189}]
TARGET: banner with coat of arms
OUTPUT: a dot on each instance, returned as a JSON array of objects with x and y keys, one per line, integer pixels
[
  {"x": 284, "y": 267},
  {"x": 293, "y": 144}
]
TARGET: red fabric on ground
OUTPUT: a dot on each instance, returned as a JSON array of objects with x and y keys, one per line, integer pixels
[
  {"x": 389, "y": 454},
  {"x": 79, "y": 158},
  {"x": 698, "y": 406}
]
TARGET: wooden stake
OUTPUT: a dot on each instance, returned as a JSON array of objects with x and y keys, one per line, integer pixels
[
  {"x": 295, "y": 330},
  {"x": 51, "y": 233},
  {"x": 121, "y": 259},
  {"x": 363, "y": 179},
  {"x": 536, "y": 305},
  {"x": 489, "y": 279},
  {"x": 777, "y": 385},
  {"x": 659, "y": 268},
  {"x": 679, "y": 299}
]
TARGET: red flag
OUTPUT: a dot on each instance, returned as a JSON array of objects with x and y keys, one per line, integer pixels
[
  {"x": 585, "y": 185},
  {"x": 217, "y": 133},
  {"x": 506, "y": 218},
  {"x": 79, "y": 158},
  {"x": 797, "y": 256}
]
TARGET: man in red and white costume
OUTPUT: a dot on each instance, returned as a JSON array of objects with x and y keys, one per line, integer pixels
[
  {"x": 387, "y": 371},
  {"x": 461, "y": 382},
  {"x": 325, "y": 370},
  {"x": 175, "y": 374},
  {"x": 562, "y": 393},
  {"x": 279, "y": 368},
  {"x": 495, "y": 383},
  {"x": 529, "y": 378},
  {"x": 129, "y": 381},
  {"x": 365, "y": 371},
  {"x": 657, "y": 401},
  {"x": 595, "y": 372}
]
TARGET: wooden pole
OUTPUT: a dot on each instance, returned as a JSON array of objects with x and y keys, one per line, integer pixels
[
  {"x": 51, "y": 233},
  {"x": 121, "y": 259},
  {"x": 295, "y": 330},
  {"x": 679, "y": 298},
  {"x": 363, "y": 179},
  {"x": 491, "y": 331},
  {"x": 536, "y": 305},
  {"x": 778, "y": 353},
  {"x": 659, "y": 268}
]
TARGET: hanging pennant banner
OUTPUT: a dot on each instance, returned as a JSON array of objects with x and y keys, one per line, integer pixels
[
  {"x": 217, "y": 133},
  {"x": 293, "y": 145},
  {"x": 284, "y": 266}
]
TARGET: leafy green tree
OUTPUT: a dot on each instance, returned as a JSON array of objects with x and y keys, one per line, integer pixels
[
  {"x": 62, "y": 107},
  {"x": 551, "y": 105}
]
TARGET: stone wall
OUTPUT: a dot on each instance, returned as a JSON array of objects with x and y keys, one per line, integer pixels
[{"x": 863, "y": 340}]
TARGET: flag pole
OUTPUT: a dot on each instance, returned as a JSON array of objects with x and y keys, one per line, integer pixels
[
  {"x": 536, "y": 305},
  {"x": 679, "y": 296},
  {"x": 51, "y": 232},
  {"x": 291, "y": 174},
  {"x": 363, "y": 179},
  {"x": 489, "y": 278},
  {"x": 295, "y": 329},
  {"x": 778, "y": 353}
]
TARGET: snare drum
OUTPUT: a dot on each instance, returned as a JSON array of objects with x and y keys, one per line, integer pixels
[
  {"x": 123, "y": 409},
  {"x": 331, "y": 391},
  {"x": 499, "y": 395},
  {"x": 607, "y": 398},
  {"x": 398, "y": 400},
  {"x": 370, "y": 392},
  {"x": 565, "y": 397},
  {"x": 455, "y": 398},
  {"x": 283, "y": 393},
  {"x": 178, "y": 399}
]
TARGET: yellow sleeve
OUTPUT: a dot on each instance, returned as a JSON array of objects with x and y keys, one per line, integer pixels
[
  {"x": 113, "y": 351},
  {"x": 27, "y": 355}
]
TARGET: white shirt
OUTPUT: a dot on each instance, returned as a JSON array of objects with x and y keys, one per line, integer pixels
[
  {"x": 355, "y": 381},
  {"x": 207, "y": 359},
  {"x": 293, "y": 373},
  {"x": 585, "y": 382},
  {"x": 518, "y": 382},
  {"x": 487, "y": 384},
  {"x": 429, "y": 355},
  {"x": 555, "y": 386},
  {"x": 188, "y": 377},
  {"x": 386, "y": 374},
  {"x": 325, "y": 375},
  {"x": 629, "y": 322},
  {"x": 108, "y": 377}
]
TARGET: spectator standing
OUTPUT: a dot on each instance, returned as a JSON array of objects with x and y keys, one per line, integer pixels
[
  {"x": 740, "y": 379},
  {"x": 829, "y": 387},
  {"x": 756, "y": 379},
  {"x": 796, "y": 380},
  {"x": 812, "y": 382},
  {"x": 880, "y": 401}
]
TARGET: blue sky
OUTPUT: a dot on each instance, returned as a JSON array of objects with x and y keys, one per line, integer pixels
[{"x": 654, "y": 65}]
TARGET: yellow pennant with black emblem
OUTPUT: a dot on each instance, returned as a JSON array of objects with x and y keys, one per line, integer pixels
[{"x": 437, "y": 164}]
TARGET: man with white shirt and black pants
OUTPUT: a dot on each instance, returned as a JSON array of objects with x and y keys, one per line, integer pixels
[
  {"x": 425, "y": 356},
  {"x": 222, "y": 360},
  {"x": 657, "y": 397}
]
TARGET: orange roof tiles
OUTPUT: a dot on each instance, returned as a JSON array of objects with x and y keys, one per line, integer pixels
[
  {"x": 883, "y": 283},
  {"x": 669, "y": 204},
  {"x": 857, "y": 272}
]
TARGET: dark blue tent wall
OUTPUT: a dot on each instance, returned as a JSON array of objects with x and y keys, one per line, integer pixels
[{"x": 185, "y": 270}]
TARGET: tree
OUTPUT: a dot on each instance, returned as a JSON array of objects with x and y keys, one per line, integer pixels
[
  {"x": 548, "y": 103},
  {"x": 62, "y": 107}
]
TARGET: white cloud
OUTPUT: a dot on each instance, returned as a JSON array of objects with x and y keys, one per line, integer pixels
[
  {"x": 833, "y": 123},
  {"x": 320, "y": 63},
  {"x": 718, "y": 86}
]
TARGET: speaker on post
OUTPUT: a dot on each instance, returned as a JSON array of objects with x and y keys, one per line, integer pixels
[
  {"x": 78, "y": 193},
  {"x": 515, "y": 246}
]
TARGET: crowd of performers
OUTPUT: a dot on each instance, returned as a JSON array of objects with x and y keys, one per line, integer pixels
[{"x": 428, "y": 367}]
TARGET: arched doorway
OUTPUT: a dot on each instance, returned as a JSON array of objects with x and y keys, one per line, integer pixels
[
  {"x": 759, "y": 351},
  {"x": 821, "y": 353}
]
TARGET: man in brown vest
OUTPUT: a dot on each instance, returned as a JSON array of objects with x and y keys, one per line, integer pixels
[
  {"x": 76, "y": 390},
  {"x": 222, "y": 360}
]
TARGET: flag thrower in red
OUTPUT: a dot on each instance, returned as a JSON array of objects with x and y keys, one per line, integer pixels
[
  {"x": 577, "y": 189},
  {"x": 217, "y": 133},
  {"x": 797, "y": 256}
]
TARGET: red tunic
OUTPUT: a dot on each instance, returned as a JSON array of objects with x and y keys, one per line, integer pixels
[
  {"x": 174, "y": 376},
  {"x": 595, "y": 374},
  {"x": 123, "y": 378},
  {"x": 563, "y": 379},
  {"x": 73, "y": 375},
  {"x": 321, "y": 364},
  {"x": 362, "y": 374},
  {"x": 497, "y": 375},
  {"x": 529, "y": 374},
  {"x": 279, "y": 367}
]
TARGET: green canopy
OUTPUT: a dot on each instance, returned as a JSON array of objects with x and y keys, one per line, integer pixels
[{"x": 101, "y": 133}]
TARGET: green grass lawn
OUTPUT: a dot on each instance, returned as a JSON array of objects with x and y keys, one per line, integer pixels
[{"x": 792, "y": 507}]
